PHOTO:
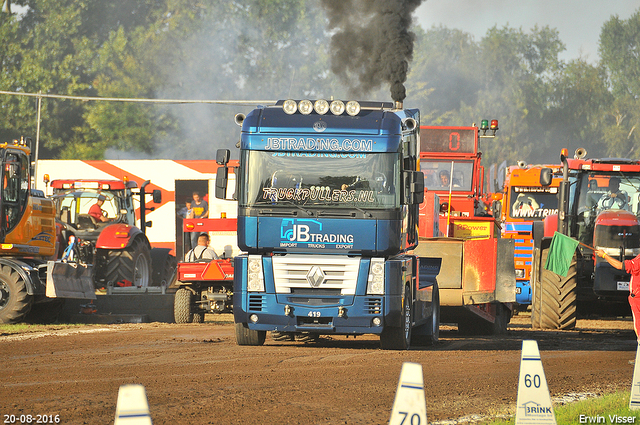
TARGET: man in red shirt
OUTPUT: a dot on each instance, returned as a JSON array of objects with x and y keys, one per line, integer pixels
[
  {"x": 96, "y": 210},
  {"x": 633, "y": 268}
]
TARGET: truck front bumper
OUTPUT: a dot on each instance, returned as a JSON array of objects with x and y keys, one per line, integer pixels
[{"x": 270, "y": 312}]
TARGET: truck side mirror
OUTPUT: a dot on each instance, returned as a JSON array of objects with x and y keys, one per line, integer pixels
[
  {"x": 496, "y": 207},
  {"x": 222, "y": 156},
  {"x": 222, "y": 176},
  {"x": 413, "y": 187},
  {"x": 157, "y": 196},
  {"x": 546, "y": 176},
  {"x": 417, "y": 187}
]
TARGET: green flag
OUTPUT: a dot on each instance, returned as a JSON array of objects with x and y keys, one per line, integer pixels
[{"x": 560, "y": 254}]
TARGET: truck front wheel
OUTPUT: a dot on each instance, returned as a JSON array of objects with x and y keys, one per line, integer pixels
[
  {"x": 399, "y": 337},
  {"x": 15, "y": 303},
  {"x": 246, "y": 336}
]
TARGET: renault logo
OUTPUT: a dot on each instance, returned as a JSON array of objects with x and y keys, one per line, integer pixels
[{"x": 315, "y": 277}]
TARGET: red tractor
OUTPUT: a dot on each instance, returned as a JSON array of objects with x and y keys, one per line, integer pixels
[
  {"x": 204, "y": 286},
  {"x": 119, "y": 251}
]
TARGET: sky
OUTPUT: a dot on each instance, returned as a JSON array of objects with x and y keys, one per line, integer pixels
[{"x": 578, "y": 22}]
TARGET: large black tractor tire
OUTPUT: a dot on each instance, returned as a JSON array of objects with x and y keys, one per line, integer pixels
[
  {"x": 555, "y": 298},
  {"x": 164, "y": 268},
  {"x": 15, "y": 303},
  {"x": 132, "y": 264},
  {"x": 45, "y": 312},
  {"x": 399, "y": 337},
  {"x": 246, "y": 336},
  {"x": 182, "y": 306}
]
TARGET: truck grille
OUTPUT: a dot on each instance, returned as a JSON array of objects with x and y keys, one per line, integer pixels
[
  {"x": 373, "y": 305},
  {"x": 256, "y": 302},
  {"x": 335, "y": 272}
]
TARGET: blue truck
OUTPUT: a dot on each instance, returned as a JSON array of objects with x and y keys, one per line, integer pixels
[{"x": 328, "y": 195}]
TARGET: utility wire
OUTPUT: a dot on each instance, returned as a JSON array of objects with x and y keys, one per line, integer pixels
[{"x": 137, "y": 100}]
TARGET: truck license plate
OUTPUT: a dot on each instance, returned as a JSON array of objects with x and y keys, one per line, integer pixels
[{"x": 623, "y": 286}]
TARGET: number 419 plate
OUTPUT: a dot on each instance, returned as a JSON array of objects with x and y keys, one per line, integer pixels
[{"x": 623, "y": 286}]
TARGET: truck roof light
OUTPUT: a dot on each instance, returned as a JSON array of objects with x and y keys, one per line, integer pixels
[
  {"x": 494, "y": 125},
  {"x": 305, "y": 107},
  {"x": 321, "y": 106},
  {"x": 484, "y": 125},
  {"x": 337, "y": 107},
  {"x": 290, "y": 106},
  {"x": 353, "y": 108}
]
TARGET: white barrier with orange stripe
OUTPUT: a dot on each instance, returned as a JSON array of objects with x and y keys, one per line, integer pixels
[{"x": 163, "y": 174}]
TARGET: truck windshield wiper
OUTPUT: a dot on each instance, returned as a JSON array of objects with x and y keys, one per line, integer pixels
[
  {"x": 297, "y": 206},
  {"x": 366, "y": 213}
]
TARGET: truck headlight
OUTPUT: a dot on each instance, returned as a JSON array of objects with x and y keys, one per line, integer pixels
[
  {"x": 375, "y": 280},
  {"x": 255, "y": 279},
  {"x": 520, "y": 273}
]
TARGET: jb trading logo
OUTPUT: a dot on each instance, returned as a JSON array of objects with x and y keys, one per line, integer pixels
[{"x": 294, "y": 231}]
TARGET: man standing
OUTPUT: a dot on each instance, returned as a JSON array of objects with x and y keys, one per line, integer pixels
[
  {"x": 200, "y": 209},
  {"x": 633, "y": 268}
]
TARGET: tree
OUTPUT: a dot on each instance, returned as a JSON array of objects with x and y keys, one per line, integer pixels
[{"x": 620, "y": 55}]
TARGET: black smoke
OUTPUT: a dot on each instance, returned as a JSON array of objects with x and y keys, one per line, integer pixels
[{"x": 372, "y": 43}]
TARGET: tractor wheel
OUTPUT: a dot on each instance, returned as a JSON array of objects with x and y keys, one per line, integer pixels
[
  {"x": 169, "y": 272},
  {"x": 198, "y": 317},
  {"x": 399, "y": 337},
  {"x": 246, "y": 336},
  {"x": 556, "y": 298},
  {"x": 182, "y": 306},
  {"x": 15, "y": 303},
  {"x": 132, "y": 264},
  {"x": 46, "y": 312}
]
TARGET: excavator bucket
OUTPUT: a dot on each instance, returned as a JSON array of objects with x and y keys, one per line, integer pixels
[{"x": 70, "y": 280}]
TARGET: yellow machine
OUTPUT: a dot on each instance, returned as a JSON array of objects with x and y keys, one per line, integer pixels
[{"x": 27, "y": 242}]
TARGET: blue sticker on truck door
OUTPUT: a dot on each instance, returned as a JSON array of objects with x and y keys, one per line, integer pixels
[{"x": 337, "y": 234}]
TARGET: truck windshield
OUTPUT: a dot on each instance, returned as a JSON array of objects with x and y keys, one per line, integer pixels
[
  {"x": 533, "y": 203},
  {"x": 362, "y": 180},
  {"x": 610, "y": 191},
  {"x": 79, "y": 202},
  {"x": 437, "y": 175}
]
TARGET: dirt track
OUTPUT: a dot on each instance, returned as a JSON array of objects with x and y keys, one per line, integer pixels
[{"x": 196, "y": 374}]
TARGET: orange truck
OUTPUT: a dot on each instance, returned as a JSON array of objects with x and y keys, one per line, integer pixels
[
  {"x": 523, "y": 202},
  {"x": 477, "y": 291}
]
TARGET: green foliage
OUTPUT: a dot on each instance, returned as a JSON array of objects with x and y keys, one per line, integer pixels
[
  {"x": 605, "y": 406},
  {"x": 263, "y": 50}
]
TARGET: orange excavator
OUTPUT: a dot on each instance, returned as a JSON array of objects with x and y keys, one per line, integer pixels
[{"x": 28, "y": 245}]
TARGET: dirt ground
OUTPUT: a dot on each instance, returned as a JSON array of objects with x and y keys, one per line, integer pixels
[{"x": 196, "y": 374}]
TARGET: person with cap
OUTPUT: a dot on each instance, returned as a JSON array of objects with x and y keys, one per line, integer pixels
[
  {"x": 201, "y": 251},
  {"x": 96, "y": 210}
]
